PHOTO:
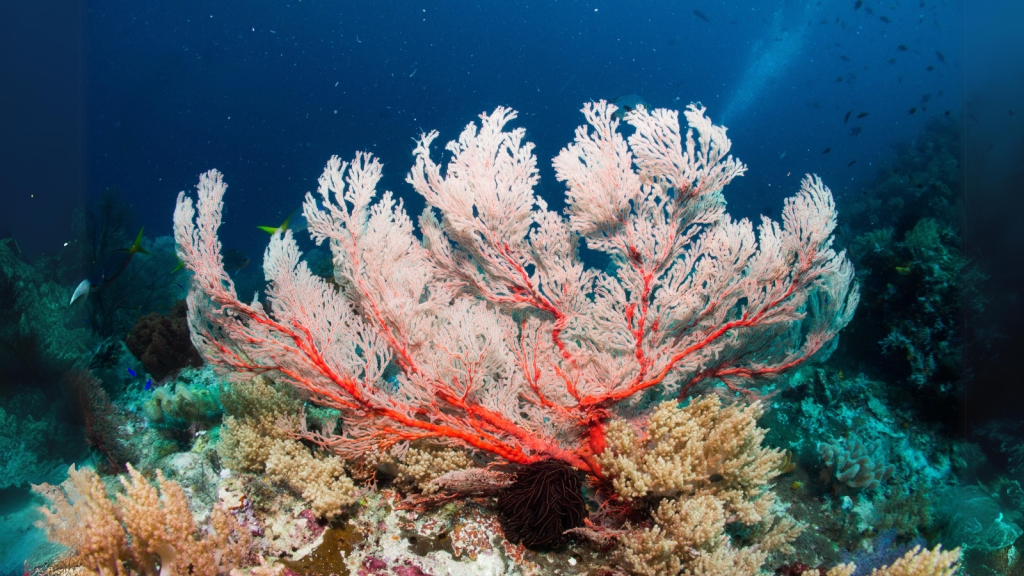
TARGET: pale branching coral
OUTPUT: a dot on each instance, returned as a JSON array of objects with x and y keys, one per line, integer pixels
[{"x": 147, "y": 531}]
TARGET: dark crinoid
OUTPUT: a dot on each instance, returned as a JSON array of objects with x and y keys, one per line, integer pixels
[{"x": 545, "y": 501}]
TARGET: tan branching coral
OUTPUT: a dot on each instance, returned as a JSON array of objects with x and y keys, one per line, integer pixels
[
  {"x": 256, "y": 437},
  {"x": 707, "y": 464},
  {"x": 422, "y": 465},
  {"x": 149, "y": 530},
  {"x": 916, "y": 562},
  {"x": 321, "y": 480},
  {"x": 702, "y": 449}
]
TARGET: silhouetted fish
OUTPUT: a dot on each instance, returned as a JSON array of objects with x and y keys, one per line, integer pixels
[
  {"x": 844, "y": 58},
  {"x": 884, "y": 19},
  {"x": 914, "y": 109},
  {"x": 902, "y": 47},
  {"x": 930, "y": 68},
  {"x": 940, "y": 56},
  {"x": 840, "y": 79},
  {"x": 852, "y": 162},
  {"x": 235, "y": 260},
  {"x": 856, "y": 130},
  {"x": 861, "y": 115},
  {"x": 702, "y": 16},
  {"x": 858, "y": 4},
  {"x": 925, "y": 98},
  {"x": 847, "y": 118},
  {"x": 892, "y": 61},
  {"x": 826, "y": 150}
]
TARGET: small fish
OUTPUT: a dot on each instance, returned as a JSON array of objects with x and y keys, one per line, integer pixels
[
  {"x": 914, "y": 109},
  {"x": 903, "y": 270},
  {"x": 840, "y": 79},
  {"x": 861, "y": 115},
  {"x": 856, "y": 130},
  {"x": 930, "y": 68},
  {"x": 852, "y": 162},
  {"x": 947, "y": 112},
  {"x": 940, "y": 56},
  {"x": 847, "y": 118},
  {"x": 149, "y": 383},
  {"x": 844, "y": 58},
  {"x": 282, "y": 227},
  {"x": 81, "y": 290},
  {"x": 884, "y": 19},
  {"x": 178, "y": 284},
  {"x": 858, "y": 4},
  {"x": 925, "y": 98},
  {"x": 902, "y": 47},
  {"x": 783, "y": 155},
  {"x": 702, "y": 16},
  {"x": 132, "y": 372},
  {"x": 826, "y": 150},
  {"x": 892, "y": 60},
  {"x": 234, "y": 260}
]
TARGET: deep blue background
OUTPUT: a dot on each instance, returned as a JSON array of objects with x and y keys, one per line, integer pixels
[{"x": 266, "y": 91}]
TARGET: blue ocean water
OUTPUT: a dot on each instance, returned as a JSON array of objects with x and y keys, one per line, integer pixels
[{"x": 266, "y": 93}]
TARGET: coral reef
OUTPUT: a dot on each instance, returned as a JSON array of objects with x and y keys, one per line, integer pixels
[{"x": 504, "y": 341}]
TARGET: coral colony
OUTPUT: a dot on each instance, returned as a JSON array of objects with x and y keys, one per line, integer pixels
[{"x": 514, "y": 402}]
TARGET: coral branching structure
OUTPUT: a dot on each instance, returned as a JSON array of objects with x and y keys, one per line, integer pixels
[{"x": 502, "y": 340}]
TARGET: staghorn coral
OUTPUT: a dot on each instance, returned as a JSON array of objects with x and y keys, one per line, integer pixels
[{"x": 148, "y": 530}]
